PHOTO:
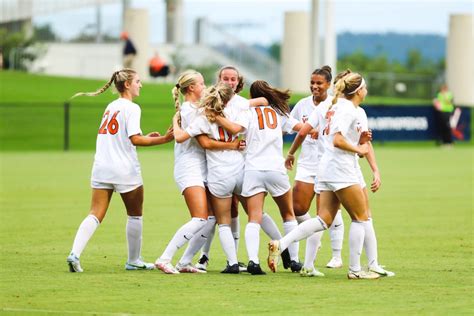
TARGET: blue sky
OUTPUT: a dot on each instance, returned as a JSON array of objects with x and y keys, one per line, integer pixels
[{"x": 261, "y": 21}]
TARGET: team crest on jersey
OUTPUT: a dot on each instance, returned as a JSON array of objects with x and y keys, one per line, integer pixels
[{"x": 304, "y": 118}]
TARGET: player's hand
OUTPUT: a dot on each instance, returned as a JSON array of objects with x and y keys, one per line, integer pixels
[
  {"x": 290, "y": 160},
  {"x": 314, "y": 134},
  {"x": 242, "y": 144},
  {"x": 154, "y": 134},
  {"x": 169, "y": 134},
  {"x": 376, "y": 182},
  {"x": 365, "y": 136}
]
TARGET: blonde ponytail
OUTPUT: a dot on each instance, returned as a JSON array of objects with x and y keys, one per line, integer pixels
[{"x": 118, "y": 78}]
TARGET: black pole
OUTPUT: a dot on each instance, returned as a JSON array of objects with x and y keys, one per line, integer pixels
[{"x": 66, "y": 125}]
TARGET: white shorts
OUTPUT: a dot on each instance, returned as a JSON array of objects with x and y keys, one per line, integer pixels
[
  {"x": 304, "y": 174},
  {"x": 360, "y": 176},
  {"x": 120, "y": 188},
  {"x": 274, "y": 182},
  {"x": 192, "y": 177},
  {"x": 316, "y": 190},
  {"x": 333, "y": 186},
  {"x": 224, "y": 188}
]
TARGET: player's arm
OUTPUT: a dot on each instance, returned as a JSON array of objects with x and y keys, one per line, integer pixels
[
  {"x": 376, "y": 181},
  {"x": 180, "y": 135},
  {"x": 211, "y": 144},
  {"x": 231, "y": 127},
  {"x": 341, "y": 142},
  {"x": 261, "y": 101},
  {"x": 302, "y": 133},
  {"x": 152, "y": 139}
]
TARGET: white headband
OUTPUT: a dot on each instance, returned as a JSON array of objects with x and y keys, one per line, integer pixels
[{"x": 359, "y": 87}]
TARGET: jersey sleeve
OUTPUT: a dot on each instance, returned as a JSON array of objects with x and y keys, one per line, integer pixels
[
  {"x": 296, "y": 111},
  {"x": 133, "y": 121},
  {"x": 243, "y": 119},
  {"x": 288, "y": 123},
  {"x": 342, "y": 121},
  {"x": 198, "y": 126},
  {"x": 362, "y": 116},
  {"x": 313, "y": 118}
]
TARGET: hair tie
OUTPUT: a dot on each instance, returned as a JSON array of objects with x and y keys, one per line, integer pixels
[{"x": 177, "y": 86}]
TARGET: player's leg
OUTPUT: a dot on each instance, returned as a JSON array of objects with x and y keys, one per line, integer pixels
[{"x": 99, "y": 205}]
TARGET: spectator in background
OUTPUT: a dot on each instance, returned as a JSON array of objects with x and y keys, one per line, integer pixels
[
  {"x": 444, "y": 107},
  {"x": 129, "y": 50},
  {"x": 158, "y": 67}
]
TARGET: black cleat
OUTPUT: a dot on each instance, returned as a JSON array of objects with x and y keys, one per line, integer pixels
[
  {"x": 285, "y": 257},
  {"x": 254, "y": 268},
  {"x": 296, "y": 266},
  {"x": 233, "y": 269},
  {"x": 202, "y": 263}
]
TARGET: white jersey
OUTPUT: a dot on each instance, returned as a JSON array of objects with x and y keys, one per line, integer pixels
[
  {"x": 264, "y": 139},
  {"x": 317, "y": 119},
  {"x": 339, "y": 165},
  {"x": 221, "y": 163},
  {"x": 116, "y": 158},
  {"x": 238, "y": 103},
  {"x": 308, "y": 157},
  {"x": 189, "y": 157}
]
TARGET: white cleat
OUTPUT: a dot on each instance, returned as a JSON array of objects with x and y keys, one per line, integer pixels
[
  {"x": 139, "y": 265},
  {"x": 273, "y": 254},
  {"x": 381, "y": 271},
  {"x": 166, "y": 267},
  {"x": 354, "y": 275},
  {"x": 188, "y": 268},
  {"x": 334, "y": 263},
  {"x": 74, "y": 263},
  {"x": 311, "y": 272}
]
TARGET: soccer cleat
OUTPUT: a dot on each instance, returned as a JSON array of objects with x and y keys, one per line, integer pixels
[
  {"x": 311, "y": 272},
  {"x": 353, "y": 275},
  {"x": 202, "y": 263},
  {"x": 139, "y": 265},
  {"x": 254, "y": 268},
  {"x": 74, "y": 263},
  {"x": 381, "y": 271},
  {"x": 242, "y": 267},
  {"x": 273, "y": 254},
  {"x": 188, "y": 268},
  {"x": 296, "y": 266},
  {"x": 334, "y": 263},
  {"x": 166, "y": 267},
  {"x": 233, "y": 269},
  {"x": 285, "y": 258}
]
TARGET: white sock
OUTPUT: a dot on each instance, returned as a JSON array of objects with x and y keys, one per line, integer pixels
[
  {"x": 336, "y": 231},
  {"x": 227, "y": 243},
  {"x": 84, "y": 233},
  {"x": 207, "y": 245},
  {"x": 356, "y": 242},
  {"x": 270, "y": 228},
  {"x": 370, "y": 243},
  {"x": 303, "y": 230},
  {"x": 312, "y": 247},
  {"x": 252, "y": 241},
  {"x": 182, "y": 235},
  {"x": 293, "y": 248},
  {"x": 198, "y": 240},
  {"x": 235, "y": 228},
  {"x": 303, "y": 217},
  {"x": 134, "y": 230}
]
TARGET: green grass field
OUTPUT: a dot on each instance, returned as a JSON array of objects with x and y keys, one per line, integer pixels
[{"x": 422, "y": 216}]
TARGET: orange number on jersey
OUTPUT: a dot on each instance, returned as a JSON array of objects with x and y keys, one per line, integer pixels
[
  {"x": 111, "y": 126},
  {"x": 329, "y": 115},
  {"x": 222, "y": 135},
  {"x": 267, "y": 112}
]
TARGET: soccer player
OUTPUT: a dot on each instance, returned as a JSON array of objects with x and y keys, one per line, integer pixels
[
  {"x": 342, "y": 137},
  {"x": 231, "y": 76},
  {"x": 189, "y": 170},
  {"x": 116, "y": 168},
  {"x": 264, "y": 164},
  {"x": 304, "y": 187}
]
